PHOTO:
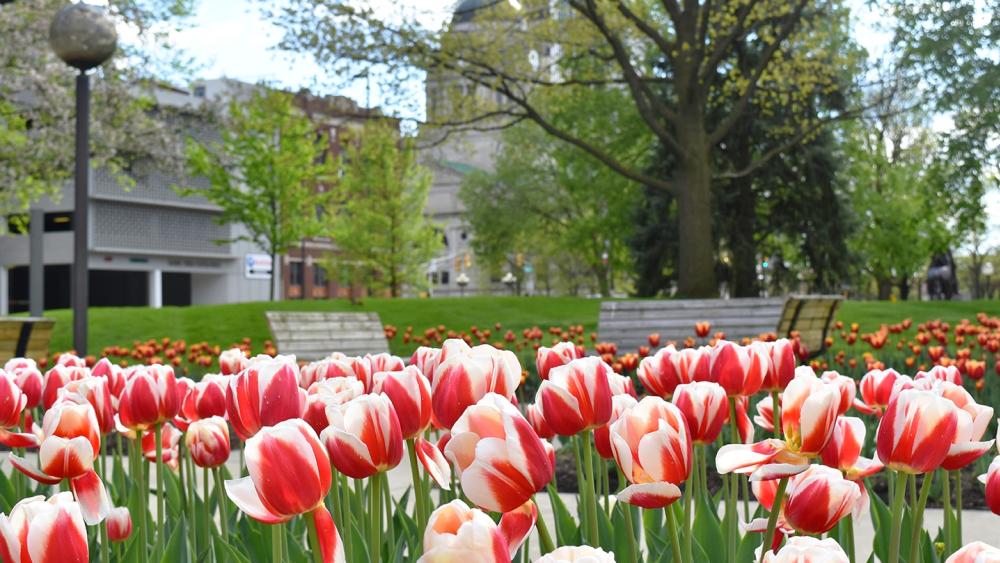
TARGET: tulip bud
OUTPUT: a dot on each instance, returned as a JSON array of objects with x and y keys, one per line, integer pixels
[
  {"x": 577, "y": 396},
  {"x": 705, "y": 409},
  {"x": 805, "y": 509},
  {"x": 738, "y": 369},
  {"x": 119, "y": 524},
  {"x": 465, "y": 375},
  {"x": 364, "y": 436},
  {"x": 264, "y": 394},
  {"x": 652, "y": 447},
  {"x": 548, "y": 358},
  {"x": 572, "y": 554},
  {"x": 289, "y": 473},
  {"x": 808, "y": 550},
  {"x": 992, "y": 481},
  {"x": 40, "y": 530},
  {"x": 456, "y": 532},
  {"x": 808, "y": 412},
  {"x": 328, "y": 393},
  {"x": 150, "y": 397},
  {"x": 410, "y": 394},
  {"x": 916, "y": 431},
  {"x": 208, "y": 441}
]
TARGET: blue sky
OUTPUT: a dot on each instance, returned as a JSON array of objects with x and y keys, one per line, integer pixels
[{"x": 233, "y": 38}]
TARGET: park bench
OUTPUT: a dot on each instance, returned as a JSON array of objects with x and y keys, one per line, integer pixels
[
  {"x": 25, "y": 337},
  {"x": 313, "y": 335},
  {"x": 629, "y": 323}
]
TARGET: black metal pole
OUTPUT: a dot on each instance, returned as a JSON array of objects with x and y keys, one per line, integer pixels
[{"x": 80, "y": 229}]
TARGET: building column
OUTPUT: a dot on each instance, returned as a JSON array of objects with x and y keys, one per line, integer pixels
[
  {"x": 36, "y": 272},
  {"x": 156, "y": 288},
  {"x": 3, "y": 291}
]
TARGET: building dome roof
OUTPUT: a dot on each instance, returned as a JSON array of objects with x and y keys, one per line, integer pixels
[{"x": 465, "y": 9}]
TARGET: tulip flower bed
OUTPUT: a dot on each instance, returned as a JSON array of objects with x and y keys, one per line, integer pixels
[{"x": 273, "y": 460}]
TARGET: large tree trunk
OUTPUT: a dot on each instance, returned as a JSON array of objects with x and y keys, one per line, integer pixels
[
  {"x": 884, "y": 288},
  {"x": 696, "y": 260},
  {"x": 904, "y": 289}
]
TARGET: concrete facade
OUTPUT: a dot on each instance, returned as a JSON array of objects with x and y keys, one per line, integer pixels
[{"x": 148, "y": 245}]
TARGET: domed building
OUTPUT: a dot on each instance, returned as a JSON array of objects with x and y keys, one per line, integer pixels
[{"x": 450, "y": 157}]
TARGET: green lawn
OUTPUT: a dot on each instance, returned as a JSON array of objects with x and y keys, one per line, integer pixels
[{"x": 225, "y": 324}]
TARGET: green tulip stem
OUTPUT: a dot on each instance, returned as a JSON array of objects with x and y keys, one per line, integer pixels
[
  {"x": 772, "y": 518},
  {"x": 897, "y": 516},
  {"x": 918, "y": 515},
  {"x": 160, "y": 508}
]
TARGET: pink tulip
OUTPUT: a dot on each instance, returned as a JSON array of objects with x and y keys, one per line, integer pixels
[
  {"x": 113, "y": 373},
  {"x": 28, "y": 378},
  {"x": 916, "y": 431},
  {"x": 329, "y": 368},
  {"x": 548, "y": 358},
  {"x": 466, "y": 375},
  {"x": 738, "y": 369},
  {"x": 233, "y": 361},
  {"x": 876, "y": 390},
  {"x": 458, "y": 534},
  {"x": 93, "y": 390},
  {"x": 975, "y": 552},
  {"x": 992, "y": 481},
  {"x": 364, "y": 436},
  {"x": 950, "y": 374},
  {"x": 426, "y": 360},
  {"x": 44, "y": 531},
  {"x": 577, "y": 396},
  {"x": 818, "y": 498},
  {"x": 119, "y": 524},
  {"x": 574, "y": 554},
  {"x": 781, "y": 369},
  {"x": 328, "y": 393},
  {"x": 662, "y": 372},
  {"x": 705, "y": 409},
  {"x": 843, "y": 451},
  {"x": 808, "y": 550},
  {"x": 264, "y": 394},
  {"x": 208, "y": 441},
  {"x": 765, "y": 413},
  {"x": 12, "y": 404},
  {"x": 71, "y": 441},
  {"x": 602, "y": 434},
  {"x": 434, "y": 462},
  {"x": 70, "y": 360},
  {"x": 289, "y": 473},
  {"x": 150, "y": 398},
  {"x": 56, "y": 378},
  {"x": 502, "y": 462},
  {"x": 410, "y": 394},
  {"x": 206, "y": 399},
  {"x": 652, "y": 447},
  {"x": 534, "y": 415},
  {"x": 170, "y": 437},
  {"x": 845, "y": 386},
  {"x": 808, "y": 412}
]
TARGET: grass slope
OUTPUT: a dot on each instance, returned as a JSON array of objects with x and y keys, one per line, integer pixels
[{"x": 225, "y": 324}]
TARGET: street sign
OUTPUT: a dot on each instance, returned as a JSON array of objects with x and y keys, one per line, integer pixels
[{"x": 257, "y": 267}]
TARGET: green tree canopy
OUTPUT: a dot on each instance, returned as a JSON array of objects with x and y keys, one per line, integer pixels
[
  {"x": 269, "y": 172},
  {"x": 376, "y": 217}
]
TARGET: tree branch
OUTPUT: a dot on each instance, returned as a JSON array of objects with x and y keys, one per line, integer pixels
[{"x": 727, "y": 124}]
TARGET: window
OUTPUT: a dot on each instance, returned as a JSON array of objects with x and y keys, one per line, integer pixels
[
  {"x": 319, "y": 276},
  {"x": 444, "y": 277},
  {"x": 58, "y": 222},
  {"x": 199, "y": 91},
  {"x": 295, "y": 274}
]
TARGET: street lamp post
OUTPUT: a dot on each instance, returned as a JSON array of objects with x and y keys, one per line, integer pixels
[
  {"x": 462, "y": 280},
  {"x": 509, "y": 279},
  {"x": 84, "y": 37},
  {"x": 988, "y": 272}
]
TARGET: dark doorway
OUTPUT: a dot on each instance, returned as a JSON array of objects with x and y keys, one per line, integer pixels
[
  {"x": 56, "y": 288},
  {"x": 119, "y": 288},
  {"x": 176, "y": 289}
]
